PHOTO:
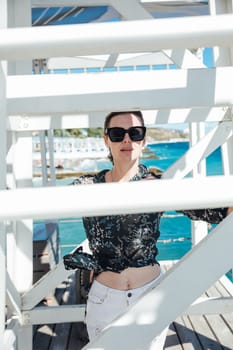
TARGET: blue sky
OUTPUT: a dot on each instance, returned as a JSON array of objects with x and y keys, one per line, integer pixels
[{"x": 208, "y": 57}]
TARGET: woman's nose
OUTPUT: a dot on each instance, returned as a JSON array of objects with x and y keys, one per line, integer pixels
[{"x": 126, "y": 138}]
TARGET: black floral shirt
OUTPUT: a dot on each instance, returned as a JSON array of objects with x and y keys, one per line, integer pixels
[{"x": 121, "y": 241}]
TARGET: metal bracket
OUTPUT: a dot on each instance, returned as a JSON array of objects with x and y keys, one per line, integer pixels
[
  {"x": 26, "y": 318},
  {"x": 40, "y": 65}
]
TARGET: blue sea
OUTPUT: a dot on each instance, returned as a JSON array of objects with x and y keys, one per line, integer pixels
[{"x": 175, "y": 238}]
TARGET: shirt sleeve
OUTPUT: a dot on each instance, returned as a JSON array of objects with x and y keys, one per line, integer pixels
[{"x": 212, "y": 216}]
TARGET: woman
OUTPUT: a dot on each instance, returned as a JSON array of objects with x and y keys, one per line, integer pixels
[{"x": 123, "y": 246}]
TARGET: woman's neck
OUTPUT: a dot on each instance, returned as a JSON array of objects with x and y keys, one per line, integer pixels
[{"x": 122, "y": 174}]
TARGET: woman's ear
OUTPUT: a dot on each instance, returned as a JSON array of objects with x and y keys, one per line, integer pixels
[{"x": 106, "y": 140}]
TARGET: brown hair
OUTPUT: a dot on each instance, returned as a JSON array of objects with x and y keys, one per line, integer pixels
[{"x": 111, "y": 115}]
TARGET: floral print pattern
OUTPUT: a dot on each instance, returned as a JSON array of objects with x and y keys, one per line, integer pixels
[{"x": 121, "y": 241}]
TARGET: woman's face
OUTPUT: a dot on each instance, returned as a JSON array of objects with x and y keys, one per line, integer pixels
[{"x": 126, "y": 150}]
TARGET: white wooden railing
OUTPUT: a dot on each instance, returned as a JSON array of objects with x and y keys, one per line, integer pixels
[{"x": 71, "y": 201}]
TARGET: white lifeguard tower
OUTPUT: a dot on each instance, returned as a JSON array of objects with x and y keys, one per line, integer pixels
[{"x": 170, "y": 35}]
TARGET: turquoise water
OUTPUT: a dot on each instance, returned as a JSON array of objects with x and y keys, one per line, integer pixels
[{"x": 169, "y": 152}]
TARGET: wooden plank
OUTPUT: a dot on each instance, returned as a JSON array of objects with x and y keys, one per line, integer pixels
[
  {"x": 60, "y": 338},
  {"x": 43, "y": 334},
  {"x": 229, "y": 320},
  {"x": 213, "y": 292},
  {"x": 228, "y": 285},
  {"x": 180, "y": 331},
  {"x": 78, "y": 336},
  {"x": 187, "y": 335},
  {"x": 62, "y": 330},
  {"x": 206, "y": 332},
  {"x": 223, "y": 289},
  {"x": 172, "y": 341},
  {"x": 63, "y": 335},
  {"x": 205, "y": 335},
  {"x": 212, "y": 329},
  {"x": 221, "y": 330},
  {"x": 219, "y": 323}
]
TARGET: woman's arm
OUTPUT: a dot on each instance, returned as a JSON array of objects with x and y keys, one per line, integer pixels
[{"x": 212, "y": 216}]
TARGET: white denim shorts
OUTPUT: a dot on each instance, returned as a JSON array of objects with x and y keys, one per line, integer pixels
[{"x": 104, "y": 304}]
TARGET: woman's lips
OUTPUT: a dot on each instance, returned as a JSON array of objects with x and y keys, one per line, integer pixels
[{"x": 126, "y": 150}]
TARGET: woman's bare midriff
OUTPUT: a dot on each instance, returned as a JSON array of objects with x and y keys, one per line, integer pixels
[{"x": 130, "y": 278}]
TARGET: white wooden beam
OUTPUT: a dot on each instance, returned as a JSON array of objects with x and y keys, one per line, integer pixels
[
  {"x": 112, "y": 37},
  {"x": 222, "y": 56},
  {"x": 80, "y": 93},
  {"x": 215, "y": 138},
  {"x": 102, "y": 61},
  {"x": 3, "y": 148},
  {"x": 10, "y": 335},
  {"x": 96, "y": 119},
  {"x": 3, "y": 123},
  {"x": 208, "y": 306},
  {"x": 201, "y": 195},
  {"x": 19, "y": 15},
  {"x": 76, "y": 313},
  {"x": 47, "y": 315},
  {"x": 58, "y": 3},
  {"x": 13, "y": 296},
  {"x": 48, "y": 283},
  {"x": 184, "y": 58},
  {"x": 133, "y": 10},
  {"x": 44, "y": 286},
  {"x": 130, "y": 9}
]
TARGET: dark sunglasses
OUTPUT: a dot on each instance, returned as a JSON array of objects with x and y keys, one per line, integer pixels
[{"x": 136, "y": 133}]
